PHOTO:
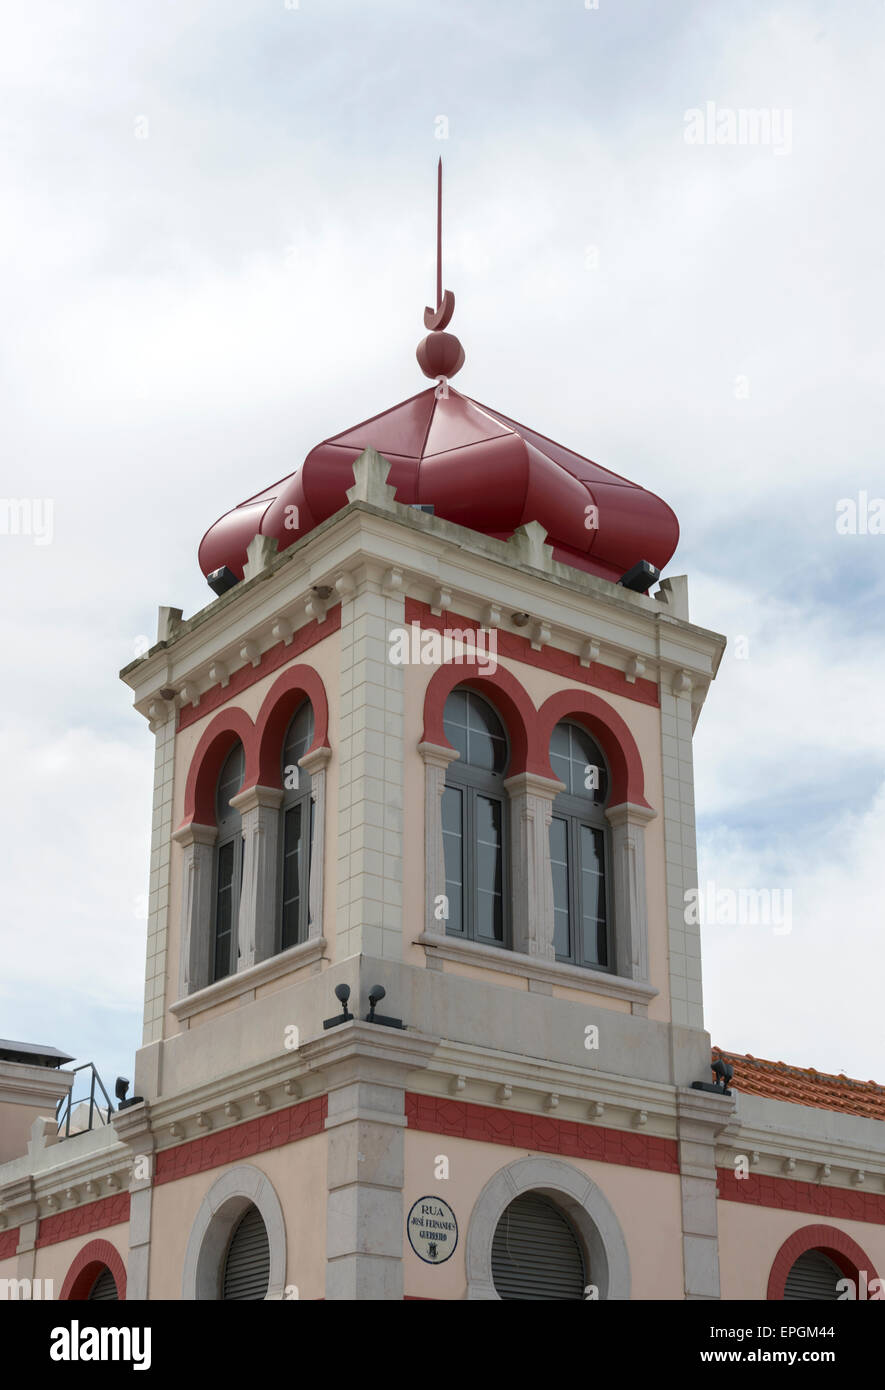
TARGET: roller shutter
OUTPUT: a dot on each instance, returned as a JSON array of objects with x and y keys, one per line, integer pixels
[
  {"x": 247, "y": 1264},
  {"x": 813, "y": 1276},
  {"x": 104, "y": 1289},
  {"x": 536, "y": 1253}
]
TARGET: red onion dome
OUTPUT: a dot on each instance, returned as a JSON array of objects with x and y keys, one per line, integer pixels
[{"x": 477, "y": 468}]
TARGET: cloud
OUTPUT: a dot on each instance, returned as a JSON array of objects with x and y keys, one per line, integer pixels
[{"x": 187, "y": 314}]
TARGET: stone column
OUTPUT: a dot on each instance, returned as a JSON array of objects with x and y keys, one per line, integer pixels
[
  {"x": 163, "y": 726},
  {"x": 197, "y": 842},
  {"x": 686, "y": 1001},
  {"x": 531, "y": 875},
  {"x": 436, "y": 761},
  {"x": 259, "y": 809},
  {"x": 370, "y": 766},
  {"x": 315, "y": 765},
  {"x": 701, "y": 1117},
  {"x": 628, "y": 824},
  {"x": 366, "y": 1069},
  {"x": 133, "y": 1128}
]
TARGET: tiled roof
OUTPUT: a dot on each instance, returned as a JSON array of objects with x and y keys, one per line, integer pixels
[{"x": 754, "y": 1076}]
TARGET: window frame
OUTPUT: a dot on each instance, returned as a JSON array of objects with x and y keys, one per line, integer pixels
[
  {"x": 230, "y": 834},
  {"x": 301, "y": 798},
  {"x": 474, "y": 783},
  {"x": 580, "y": 812}
]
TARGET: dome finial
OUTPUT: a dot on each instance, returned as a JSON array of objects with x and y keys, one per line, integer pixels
[{"x": 440, "y": 354}]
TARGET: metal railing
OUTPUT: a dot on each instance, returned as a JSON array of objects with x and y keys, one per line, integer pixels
[{"x": 65, "y": 1107}]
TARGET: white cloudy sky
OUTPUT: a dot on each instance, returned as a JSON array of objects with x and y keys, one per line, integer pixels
[{"x": 186, "y": 314}]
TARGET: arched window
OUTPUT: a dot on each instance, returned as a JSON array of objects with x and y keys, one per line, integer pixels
[
  {"x": 104, "y": 1288},
  {"x": 474, "y": 820},
  {"x": 296, "y": 835},
  {"x": 579, "y": 850},
  {"x": 246, "y": 1269},
  {"x": 813, "y": 1277},
  {"x": 228, "y": 866},
  {"x": 536, "y": 1253}
]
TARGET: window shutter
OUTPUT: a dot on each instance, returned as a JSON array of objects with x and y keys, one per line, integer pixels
[
  {"x": 247, "y": 1265},
  {"x": 104, "y": 1288},
  {"x": 535, "y": 1253},
  {"x": 813, "y": 1276}
]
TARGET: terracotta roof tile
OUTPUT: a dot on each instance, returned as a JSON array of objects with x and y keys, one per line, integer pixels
[{"x": 754, "y": 1076}]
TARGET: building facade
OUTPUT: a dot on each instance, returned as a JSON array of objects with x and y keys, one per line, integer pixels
[{"x": 423, "y": 1011}]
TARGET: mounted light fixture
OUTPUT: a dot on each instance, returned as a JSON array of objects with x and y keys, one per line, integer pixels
[
  {"x": 723, "y": 1072},
  {"x": 376, "y": 994},
  {"x": 120, "y": 1089},
  {"x": 342, "y": 994},
  {"x": 221, "y": 580},
  {"x": 640, "y": 577}
]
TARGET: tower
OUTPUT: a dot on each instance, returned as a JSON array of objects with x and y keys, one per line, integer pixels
[{"x": 432, "y": 736}]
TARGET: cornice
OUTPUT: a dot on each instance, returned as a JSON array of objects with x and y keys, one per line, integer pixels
[
  {"x": 514, "y": 1082},
  {"x": 22, "y": 1085},
  {"x": 571, "y": 609},
  {"x": 826, "y": 1161}
]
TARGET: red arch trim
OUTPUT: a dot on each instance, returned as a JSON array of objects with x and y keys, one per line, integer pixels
[
  {"x": 505, "y": 693},
  {"x": 842, "y": 1250},
  {"x": 611, "y": 733},
  {"x": 95, "y": 1256},
  {"x": 209, "y": 755},
  {"x": 295, "y": 685}
]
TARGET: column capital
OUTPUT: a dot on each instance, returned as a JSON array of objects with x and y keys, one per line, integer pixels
[
  {"x": 195, "y": 834},
  {"x": 315, "y": 760},
  {"x": 435, "y": 755},
  {"x": 629, "y": 813},
  {"x": 269, "y": 798},
  {"x": 531, "y": 784}
]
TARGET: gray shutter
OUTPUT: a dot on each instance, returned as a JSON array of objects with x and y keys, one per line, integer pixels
[
  {"x": 247, "y": 1264},
  {"x": 104, "y": 1288},
  {"x": 813, "y": 1276},
  {"x": 535, "y": 1253}
]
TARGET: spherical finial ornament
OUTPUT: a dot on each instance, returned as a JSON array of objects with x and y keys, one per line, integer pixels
[{"x": 440, "y": 354}]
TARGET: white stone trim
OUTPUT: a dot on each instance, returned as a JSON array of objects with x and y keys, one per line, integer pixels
[
  {"x": 554, "y": 972},
  {"x": 247, "y": 981},
  {"x": 197, "y": 843},
  {"x": 370, "y": 772},
  {"x": 221, "y": 1208},
  {"x": 680, "y": 847},
  {"x": 605, "y": 1250},
  {"x": 531, "y": 874},
  {"x": 629, "y": 899},
  {"x": 315, "y": 765},
  {"x": 158, "y": 895},
  {"x": 259, "y": 809}
]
